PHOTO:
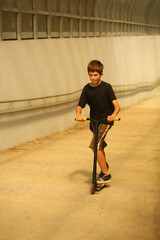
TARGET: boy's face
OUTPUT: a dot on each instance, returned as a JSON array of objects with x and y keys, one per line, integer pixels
[{"x": 95, "y": 78}]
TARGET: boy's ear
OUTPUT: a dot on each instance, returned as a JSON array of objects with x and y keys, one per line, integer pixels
[{"x": 102, "y": 74}]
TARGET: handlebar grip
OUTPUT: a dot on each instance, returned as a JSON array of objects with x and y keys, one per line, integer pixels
[
  {"x": 84, "y": 119},
  {"x": 117, "y": 119}
]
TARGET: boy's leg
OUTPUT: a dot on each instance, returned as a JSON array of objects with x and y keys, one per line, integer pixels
[
  {"x": 101, "y": 158},
  {"x": 104, "y": 176}
]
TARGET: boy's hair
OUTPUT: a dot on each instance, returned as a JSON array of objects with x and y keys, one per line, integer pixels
[{"x": 95, "y": 65}]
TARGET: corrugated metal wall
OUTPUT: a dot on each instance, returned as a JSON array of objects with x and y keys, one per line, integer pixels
[{"x": 32, "y": 19}]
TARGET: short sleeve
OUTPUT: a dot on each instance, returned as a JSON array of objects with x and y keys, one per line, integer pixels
[
  {"x": 111, "y": 93},
  {"x": 83, "y": 98}
]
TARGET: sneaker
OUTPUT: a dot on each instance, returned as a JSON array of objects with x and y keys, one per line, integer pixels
[
  {"x": 101, "y": 173},
  {"x": 104, "y": 178}
]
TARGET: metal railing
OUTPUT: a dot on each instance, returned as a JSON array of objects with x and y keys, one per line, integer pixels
[{"x": 14, "y": 106}]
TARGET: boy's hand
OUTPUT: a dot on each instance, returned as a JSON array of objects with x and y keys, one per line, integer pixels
[
  {"x": 110, "y": 118},
  {"x": 80, "y": 118}
]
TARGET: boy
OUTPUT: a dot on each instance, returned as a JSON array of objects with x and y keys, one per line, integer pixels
[{"x": 103, "y": 104}]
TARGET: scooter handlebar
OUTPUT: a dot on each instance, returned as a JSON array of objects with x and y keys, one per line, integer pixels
[{"x": 85, "y": 119}]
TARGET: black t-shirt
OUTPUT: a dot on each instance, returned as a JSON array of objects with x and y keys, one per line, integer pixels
[{"x": 99, "y": 100}]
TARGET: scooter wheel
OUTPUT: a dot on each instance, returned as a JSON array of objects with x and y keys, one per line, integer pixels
[{"x": 93, "y": 189}]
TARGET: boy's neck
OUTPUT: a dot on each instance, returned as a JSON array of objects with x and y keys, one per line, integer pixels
[{"x": 95, "y": 85}]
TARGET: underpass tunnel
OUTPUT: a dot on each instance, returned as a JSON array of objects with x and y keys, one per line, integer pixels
[{"x": 46, "y": 164}]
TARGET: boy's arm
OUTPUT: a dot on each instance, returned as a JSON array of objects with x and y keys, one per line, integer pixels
[
  {"x": 79, "y": 117},
  {"x": 116, "y": 111}
]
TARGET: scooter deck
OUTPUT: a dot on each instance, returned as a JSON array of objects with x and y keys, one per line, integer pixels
[{"x": 99, "y": 186}]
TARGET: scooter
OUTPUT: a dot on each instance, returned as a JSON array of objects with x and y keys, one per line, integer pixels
[{"x": 94, "y": 186}]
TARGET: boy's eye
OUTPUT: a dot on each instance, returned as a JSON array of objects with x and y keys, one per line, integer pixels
[{"x": 93, "y": 75}]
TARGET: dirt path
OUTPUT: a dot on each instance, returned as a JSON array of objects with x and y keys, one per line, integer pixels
[{"x": 45, "y": 185}]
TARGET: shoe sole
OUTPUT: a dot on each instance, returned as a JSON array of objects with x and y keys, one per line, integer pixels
[{"x": 104, "y": 182}]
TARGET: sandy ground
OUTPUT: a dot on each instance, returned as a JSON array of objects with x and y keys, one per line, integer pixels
[{"x": 45, "y": 184}]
